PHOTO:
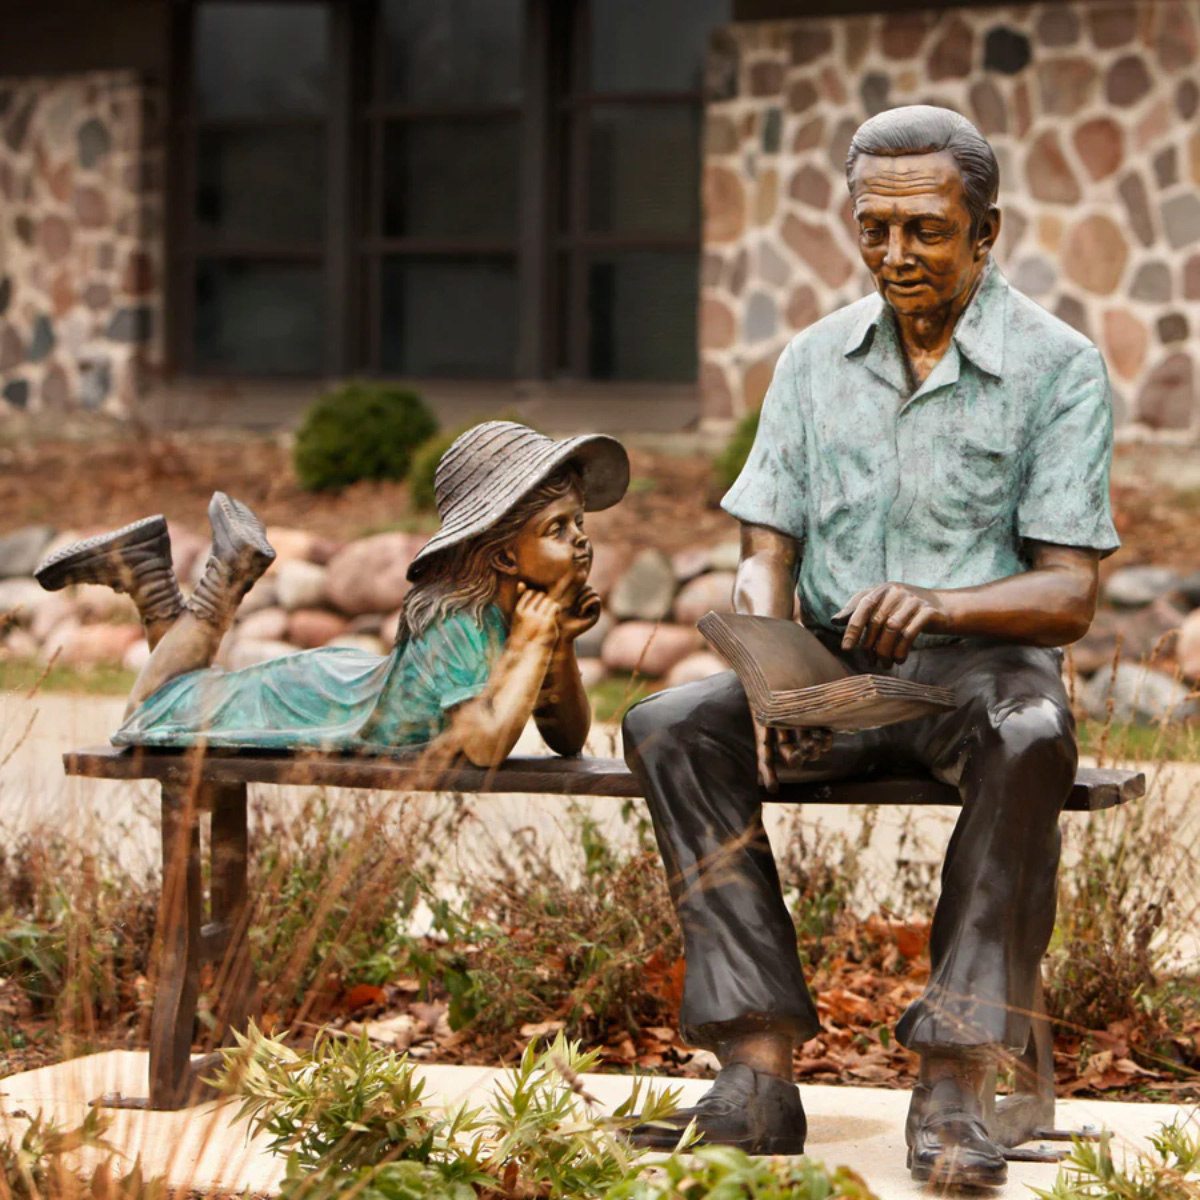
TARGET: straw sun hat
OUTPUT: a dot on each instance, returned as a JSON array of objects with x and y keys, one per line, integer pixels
[{"x": 492, "y": 467}]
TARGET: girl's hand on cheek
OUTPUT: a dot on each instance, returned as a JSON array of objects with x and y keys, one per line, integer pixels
[
  {"x": 537, "y": 617},
  {"x": 582, "y": 615}
]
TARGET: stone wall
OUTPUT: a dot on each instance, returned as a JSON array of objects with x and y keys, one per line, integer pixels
[
  {"x": 1092, "y": 109},
  {"x": 81, "y": 261}
]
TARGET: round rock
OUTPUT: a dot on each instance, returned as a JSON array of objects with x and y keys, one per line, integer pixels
[
  {"x": 648, "y": 647},
  {"x": 646, "y": 589},
  {"x": 1135, "y": 587}
]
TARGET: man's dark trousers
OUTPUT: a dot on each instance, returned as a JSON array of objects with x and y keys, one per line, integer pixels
[{"x": 1010, "y": 748}]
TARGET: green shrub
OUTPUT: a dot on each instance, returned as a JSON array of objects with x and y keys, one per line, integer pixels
[
  {"x": 424, "y": 466},
  {"x": 732, "y": 459},
  {"x": 360, "y": 431}
]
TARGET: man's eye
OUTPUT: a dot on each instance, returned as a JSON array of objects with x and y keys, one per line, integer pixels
[
  {"x": 872, "y": 233},
  {"x": 931, "y": 235}
]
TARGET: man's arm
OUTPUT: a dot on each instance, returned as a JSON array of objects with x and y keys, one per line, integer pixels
[{"x": 1052, "y": 604}]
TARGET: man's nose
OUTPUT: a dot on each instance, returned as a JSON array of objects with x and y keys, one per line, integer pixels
[{"x": 897, "y": 247}]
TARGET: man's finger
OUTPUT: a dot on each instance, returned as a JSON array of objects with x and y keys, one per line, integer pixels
[
  {"x": 916, "y": 623},
  {"x": 843, "y": 613},
  {"x": 894, "y": 627},
  {"x": 862, "y": 614},
  {"x": 766, "y": 766},
  {"x": 891, "y": 599}
]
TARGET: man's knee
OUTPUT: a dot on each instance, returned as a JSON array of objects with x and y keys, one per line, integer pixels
[
  {"x": 1035, "y": 737},
  {"x": 689, "y": 713}
]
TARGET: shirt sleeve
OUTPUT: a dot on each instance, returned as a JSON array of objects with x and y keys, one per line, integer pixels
[
  {"x": 1065, "y": 500},
  {"x": 770, "y": 489},
  {"x": 451, "y": 662}
]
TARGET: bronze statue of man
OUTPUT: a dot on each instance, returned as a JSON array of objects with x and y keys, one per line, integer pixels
[{"x": 930, "y": 479}]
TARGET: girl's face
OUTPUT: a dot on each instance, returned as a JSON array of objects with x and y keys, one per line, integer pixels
[{"x": 552, "y": 544}]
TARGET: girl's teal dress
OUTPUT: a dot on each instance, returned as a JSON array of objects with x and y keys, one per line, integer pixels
[{"x": 331, "y": 698}]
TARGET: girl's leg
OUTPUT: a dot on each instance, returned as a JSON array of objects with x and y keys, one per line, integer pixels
[
  {"x": 240, "y": 554},
  {"x": 135, "y": 559}
]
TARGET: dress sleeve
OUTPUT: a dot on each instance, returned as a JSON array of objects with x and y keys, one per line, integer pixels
[
  {"x": 453, "y": 660},
  {"x": 770, "y": 489},
  {"x": 1065, "y": 499}
]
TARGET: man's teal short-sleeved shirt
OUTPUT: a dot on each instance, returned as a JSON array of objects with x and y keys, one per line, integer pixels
[{"x": 1009, "y": 439}]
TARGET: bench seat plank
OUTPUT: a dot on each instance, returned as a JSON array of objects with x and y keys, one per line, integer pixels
[{"x": 1095, "y": 788}]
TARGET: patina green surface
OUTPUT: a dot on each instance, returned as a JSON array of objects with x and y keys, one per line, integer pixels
[
  {"x": 332, "y": 698},
  {"x": 1008, "y": 439}
]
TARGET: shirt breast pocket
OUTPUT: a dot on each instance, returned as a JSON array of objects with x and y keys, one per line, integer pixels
[{"x": 977, "y": 478}]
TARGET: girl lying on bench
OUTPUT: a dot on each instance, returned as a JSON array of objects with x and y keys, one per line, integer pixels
[{"x": 486, "y": 635}]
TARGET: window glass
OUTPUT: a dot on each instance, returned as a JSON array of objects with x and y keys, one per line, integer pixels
[
  {"x": 652, "y": 45},
  {"x": 261, "y": 185},
  {"x": 642, "y": 315},
  {"x": 454, "y": 317},
  {"x": 452, "y": 51},
  {"x": 644, "y": 170},
  {"x": 260, "y": 318},
  {"x": 261, "y": 60},
  {"x": 450, "y": 178}
]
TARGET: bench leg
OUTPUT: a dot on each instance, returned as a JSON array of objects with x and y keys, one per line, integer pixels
[
  {"x": 237, "y": 993},
  {"x": 178, "y": 984}
]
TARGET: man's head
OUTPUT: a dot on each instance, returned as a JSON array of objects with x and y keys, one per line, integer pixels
[{"x": 924, "y": 183}]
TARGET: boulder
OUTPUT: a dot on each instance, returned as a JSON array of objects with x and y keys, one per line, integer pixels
[
  {"x": 198, "y": 565},
  {"x": 1189, "y": 589},
  {"x": 58, "y": 637},
  {"x": 360, "y": 641},
  {"x": 249, "y": 652},
  {"x": 290, "y": 544},
  {"x": 707, "y": 593},
  {"x": 388, "y": 627},
  {"x": 725, "y": 556},
  {"x": 589, "y": 644},
  {"x": 1187, "y": 649},
  {"x": 309, "y": 628},
  {"x": 370, "y": 575},
  {"x": 53, "y": 610},
  {"x": 648, "y": 647},
  {"x": 137, "y": 656},
  {"x": 300, "y": 584},
  {"x": 370, "y": 623},
  {"x": 18, "y": 643},
  {"x": 646, "y": 589},
  {"x": 1140, "y": 694},
  {"x": 608, "y": 563},
  {"x": 1135, "y": 587},
  {"x": 97, "y": 645},
  {"x": 264, "y": 594},
  {"x": 21, "y": 596},
  {"x": 592, "y": 671},
  {"x": 267, "y": 624},
  {"x": 23, "y": 549},
  {"x": 187, "y": 547},
  {"x": 95, "y": 602},
  {"x": 700, "y": 665},
  {"x": 1095, "y": 650},
  {"x": 689, "y": 563},
  {"x": 323, "y": 550}
]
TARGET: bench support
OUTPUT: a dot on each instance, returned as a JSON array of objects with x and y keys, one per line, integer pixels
[{"x": 184, "y": 944}]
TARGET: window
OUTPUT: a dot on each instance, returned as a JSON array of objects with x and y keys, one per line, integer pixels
[
  {"x": 459, "y": 188},
  {"x": 253, "y": 262}
]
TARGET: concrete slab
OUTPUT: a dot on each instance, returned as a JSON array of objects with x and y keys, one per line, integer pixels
[{"x": 203, "y": 1147}]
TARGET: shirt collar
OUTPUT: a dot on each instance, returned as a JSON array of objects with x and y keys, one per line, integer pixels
[{"x": 979, "y": 333}]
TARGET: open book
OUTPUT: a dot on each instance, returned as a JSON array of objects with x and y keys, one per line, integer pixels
[{"x": 792, "y": 680}]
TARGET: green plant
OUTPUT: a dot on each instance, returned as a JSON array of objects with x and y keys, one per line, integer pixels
[
  {"x": 1091, "y": 1173},
  {"x": 424, "y": 466},
  {"x": 360, "y": 431},
  {"x": 352, "y": 1120},
  {"x": 729, "y": 463}
]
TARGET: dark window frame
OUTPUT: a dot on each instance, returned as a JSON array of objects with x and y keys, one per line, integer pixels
[{"x": 550, "y": 257}]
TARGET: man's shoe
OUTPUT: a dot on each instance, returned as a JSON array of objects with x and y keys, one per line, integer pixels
[
  {"x": 749, "y": 1109},
  {"x": 135, "y": 559},
  {"x": 948, "y": 1145}
]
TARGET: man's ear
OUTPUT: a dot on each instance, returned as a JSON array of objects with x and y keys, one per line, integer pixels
[
  {"x": 505, "y": 561},
  {"x": 989, "y": 231}
]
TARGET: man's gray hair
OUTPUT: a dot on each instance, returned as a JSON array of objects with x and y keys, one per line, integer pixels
[{"x": 923, "y": 129}]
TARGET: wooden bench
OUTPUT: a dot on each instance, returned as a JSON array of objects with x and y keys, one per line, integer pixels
[{"x": 215, "y": 782}]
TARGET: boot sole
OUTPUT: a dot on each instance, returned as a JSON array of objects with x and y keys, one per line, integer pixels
[
  {"x": 68, "y": 565},
  {"x": 951, "y": 1175},
  {"x": 654, "y": 1138},
  {"x": 244, "y": 529}
]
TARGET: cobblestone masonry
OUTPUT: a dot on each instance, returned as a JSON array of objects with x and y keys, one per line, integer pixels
[
  {"x": 81, "y": 186},
  {"x": 1092, "y": 109}
]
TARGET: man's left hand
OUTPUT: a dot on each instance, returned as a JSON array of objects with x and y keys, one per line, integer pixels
[{"x": 885, "y": 620}]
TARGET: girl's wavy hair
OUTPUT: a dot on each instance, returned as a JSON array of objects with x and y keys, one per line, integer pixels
[{"x": 464, "y": 577}]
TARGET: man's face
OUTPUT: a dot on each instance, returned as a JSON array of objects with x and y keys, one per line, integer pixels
[{"x": 915, "y": 230}]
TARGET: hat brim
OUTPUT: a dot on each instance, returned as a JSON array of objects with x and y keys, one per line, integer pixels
[{"x": 602, "y": 460}]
